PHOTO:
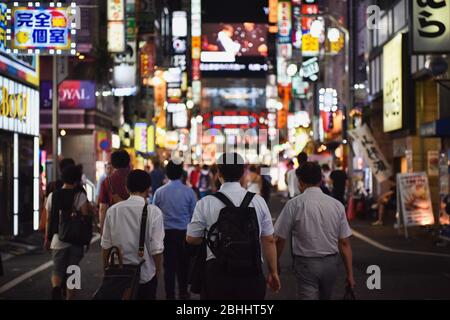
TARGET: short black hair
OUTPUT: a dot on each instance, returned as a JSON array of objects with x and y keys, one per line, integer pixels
[
  {"x": 326, "y": 167},
  {"x": 72, "y": 174},
  {"x": 253, "y": 168},
  {"x": 309, "y": 173},
  {"x": 174, "y": 171},
  {"x": 64, "y": 163},
  {"x": 205, "y": 167},
  {"x": 138, "y": 181},
  {"x": 302, "y": 157},
  {"x": 231, "y": 166},
  {"x": 120, "y": 159}
]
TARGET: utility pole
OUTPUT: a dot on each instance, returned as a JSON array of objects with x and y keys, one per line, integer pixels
[{"x": 55, "y": 119}]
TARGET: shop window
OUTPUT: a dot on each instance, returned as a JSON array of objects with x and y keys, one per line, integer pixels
[{"x": 26, "y": 156}]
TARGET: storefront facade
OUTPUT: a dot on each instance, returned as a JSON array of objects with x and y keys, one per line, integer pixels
[{"x": 19, "y": 146}]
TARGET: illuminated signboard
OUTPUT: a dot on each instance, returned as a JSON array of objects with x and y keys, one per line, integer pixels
[
  {"x": 73, "y": 94},
  {"x": 116, "y": 30},
  {"x": 234, "y": 49},
  {"x": 42, "y": 30},
  {"x": 3, "y": 22},
  {"x": 240, "y": 97},
  {"x": 234, "y": 120},
  {"x": 393, "y": 84},
  {"x": 19, "y": 111},
  {"x": 284, "y": 22},
  {"x": 140, "y": 137},
  {"x": 430, "y": 26}
]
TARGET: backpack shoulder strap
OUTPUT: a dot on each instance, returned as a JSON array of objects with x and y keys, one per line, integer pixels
[
  {"x": 142, "y": 231},
  {"x": 226, "y": 201},
  {"x": 110, "y": 187},
  {"x": 247, "y": 199}
]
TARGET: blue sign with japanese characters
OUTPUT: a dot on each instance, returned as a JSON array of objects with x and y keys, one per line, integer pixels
[{"x": 41, "y": 29}]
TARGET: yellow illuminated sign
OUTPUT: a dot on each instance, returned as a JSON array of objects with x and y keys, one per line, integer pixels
[
  {"x": 13, "y": 105},
  {"x": 310, "y": 45},
  {"x": 393, "y": 84}
]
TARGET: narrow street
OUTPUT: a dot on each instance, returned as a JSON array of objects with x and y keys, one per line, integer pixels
[{"x": 403, "y": 275}]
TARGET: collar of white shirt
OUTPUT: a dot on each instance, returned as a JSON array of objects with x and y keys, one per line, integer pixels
[
  {"x": 231, "y": 187},
  {"x": 136, "y": 199},
  {"x": 313, "y": 189}
]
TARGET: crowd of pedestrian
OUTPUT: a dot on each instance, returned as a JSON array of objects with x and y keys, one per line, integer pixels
[{"x": 205, "y": 227}]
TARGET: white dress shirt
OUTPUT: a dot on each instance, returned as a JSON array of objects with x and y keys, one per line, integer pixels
[
  {"x": 292, "y": 181},
  {"x": 315, "y": 221},
  {"x": 122, "y": 227},
  {"x": 207, "y": 211}
]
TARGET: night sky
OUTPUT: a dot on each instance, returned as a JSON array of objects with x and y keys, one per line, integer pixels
[{"x": 234, "y": 10}]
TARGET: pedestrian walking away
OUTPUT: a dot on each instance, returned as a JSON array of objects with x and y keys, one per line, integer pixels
[
  {"x": 122, "y": 228},
  {"x": 292, "y": 179},
  {"x": 319, "y": 231},
  {"x": 177, "y": 202},
  {"x": 71, "y": 200},
  {"x": 113, "y": 189},
  {"x": 235, "y": 272}
]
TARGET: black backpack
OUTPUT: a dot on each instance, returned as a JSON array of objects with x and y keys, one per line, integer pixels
[
  {"x": 73, "y": 227},
  {"x": 234, "y": 238}
]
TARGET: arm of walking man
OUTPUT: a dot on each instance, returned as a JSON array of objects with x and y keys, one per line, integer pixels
[
  {"x": 270, "y": 255},
  {"x": 346, "y": 252}
]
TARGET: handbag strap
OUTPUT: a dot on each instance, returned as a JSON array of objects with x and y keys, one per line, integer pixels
[{"x": 142, "y": 231}]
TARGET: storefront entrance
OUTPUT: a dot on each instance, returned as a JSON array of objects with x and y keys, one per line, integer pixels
[{"x": 6, "y": 178}]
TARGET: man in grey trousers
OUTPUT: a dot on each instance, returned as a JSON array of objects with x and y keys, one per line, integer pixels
[{"x": 319, "y": 231}]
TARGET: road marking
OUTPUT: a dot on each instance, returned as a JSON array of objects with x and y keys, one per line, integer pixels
[
  {"x": 33, "y": 272},
  {"x": 380, "y": 246}
]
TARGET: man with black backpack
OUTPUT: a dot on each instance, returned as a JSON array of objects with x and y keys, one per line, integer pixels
[
  {"x": 62, "y": 237},
  {"x": 236, "y": 225}
]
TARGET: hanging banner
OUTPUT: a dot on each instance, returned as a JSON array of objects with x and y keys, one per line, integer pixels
[
  {"x": 430, "y": 26},
  {"x": 371, "y": 152},
  {"x": 413, "y": 193},
  {"x": 284, "y": 22}
]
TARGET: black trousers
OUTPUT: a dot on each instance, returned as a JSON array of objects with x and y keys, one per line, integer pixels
[
  {"x": 221, "y": 286},
  {"x": 147, "y": 291},
  {"x": 176, "y": 262}
]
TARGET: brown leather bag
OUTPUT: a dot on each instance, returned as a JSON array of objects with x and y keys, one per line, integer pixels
[{"x": 115, "y": 197}]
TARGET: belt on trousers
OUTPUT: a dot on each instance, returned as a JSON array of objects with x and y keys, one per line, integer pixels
[{"x": 319, "y": 257}]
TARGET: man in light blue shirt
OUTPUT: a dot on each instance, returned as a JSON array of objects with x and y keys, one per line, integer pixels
[{"x": 177, "y": 202}]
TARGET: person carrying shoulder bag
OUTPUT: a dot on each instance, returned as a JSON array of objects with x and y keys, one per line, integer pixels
[{"x": 122, "y": 229}]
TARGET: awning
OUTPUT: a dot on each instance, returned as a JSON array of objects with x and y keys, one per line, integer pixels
[{"x": 438, "y": 128}]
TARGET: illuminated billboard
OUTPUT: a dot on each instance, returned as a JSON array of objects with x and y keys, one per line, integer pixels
[
  {"x": 238, "y": 49},
  {"x": 239, "y": 97}
]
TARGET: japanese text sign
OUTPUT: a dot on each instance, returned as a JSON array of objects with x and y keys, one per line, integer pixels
[
  {"x": 42, "y": 30},
  {"x": 371, "y": 152},
  {"x": 431, "y": 26}
]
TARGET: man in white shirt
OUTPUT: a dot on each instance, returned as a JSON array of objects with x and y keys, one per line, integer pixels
[
  {"x": 219, "y": 285},
  {"x": 292, "y": 180},
  {"x": 319, "y": 230},
  {"x": 122, "y": 229}
]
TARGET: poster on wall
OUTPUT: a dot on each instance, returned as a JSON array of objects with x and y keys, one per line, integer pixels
[{"x": 414, "y": 200}]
